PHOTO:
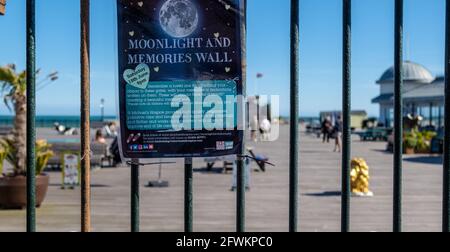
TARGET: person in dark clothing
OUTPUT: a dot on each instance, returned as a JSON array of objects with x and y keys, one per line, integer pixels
[
  {"x": 115, "y": 152},
  {"x": 327, "y": 129},
  {"x": 338, "y": 129}
]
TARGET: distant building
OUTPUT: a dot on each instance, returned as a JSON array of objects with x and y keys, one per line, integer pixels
[
  {"x": 357, "y": 117},
  {"x": 423, "y": 95}
]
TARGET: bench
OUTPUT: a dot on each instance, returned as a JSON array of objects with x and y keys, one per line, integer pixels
[
  {"x": 375, "y": 134},
  {"x": 5, "y": 130},
  {"x": 98, "y": 158}
]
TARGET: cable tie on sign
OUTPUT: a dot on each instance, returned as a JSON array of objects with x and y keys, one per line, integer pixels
[
  {"x": 254, "y": 159},
  {"x": 235, "y": 79},
  {"x": 144, "y": 164},
  {"x": 91, "y": 153}
]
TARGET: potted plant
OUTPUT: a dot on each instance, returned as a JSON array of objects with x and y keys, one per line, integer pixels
[
  {"x": 2, "y": 159},
  {"x": 423, "y": 146},
  {"x": 13, "y": 185},
  {"x": 410, "y": 143}
]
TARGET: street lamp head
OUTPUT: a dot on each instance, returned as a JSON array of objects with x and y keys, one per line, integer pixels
[{"x": 54, "y": 74}]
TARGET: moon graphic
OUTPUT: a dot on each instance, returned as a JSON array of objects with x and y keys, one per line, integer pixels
[{"x": 178, "y": 18}]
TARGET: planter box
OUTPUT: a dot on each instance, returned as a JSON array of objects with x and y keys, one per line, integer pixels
[
  {"x": 13, "y": 191},
  {"x": 423, "y": 152},
  {"x": 409, "y": 151}
]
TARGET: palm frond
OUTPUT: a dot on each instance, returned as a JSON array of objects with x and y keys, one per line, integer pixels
[
  {"x": 8, "y": 75},
  {"x": 2, "y": 158},
  {"x": 12, "y": 84},
  {"x": 7, "y": 101}
]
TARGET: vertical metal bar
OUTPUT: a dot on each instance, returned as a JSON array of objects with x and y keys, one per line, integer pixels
[
  {"x": 240, "y": 189},
  {"x": 188, "y": 197},
  {"x": 346, "y": 108},
  {"x": 240, "y": 180},
  {"x": 31, "y": 117},
  {"x": 398, "y": 114},
  {"x": 85, "y": 120},
  {"x": 294, "y": 136},
  {"x": 431, "y": 114},
  {"x": 446, "y": 170},
  {"x": 439, "y": 117},
  {"x": 135, "y": 196}
]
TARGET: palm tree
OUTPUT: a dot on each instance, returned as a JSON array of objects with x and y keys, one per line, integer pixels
[{"x": 13, "y": 85}]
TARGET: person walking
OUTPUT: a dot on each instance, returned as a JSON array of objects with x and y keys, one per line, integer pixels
[
  {"x": 254, "y": 127},
  {"x": 338, "y": 129},
  {"x": 327, "y": 129}
]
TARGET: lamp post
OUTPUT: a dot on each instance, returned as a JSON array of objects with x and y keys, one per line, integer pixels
[
  {"x": 102, "y": 110},
  {"x": 41, "y": 84}
]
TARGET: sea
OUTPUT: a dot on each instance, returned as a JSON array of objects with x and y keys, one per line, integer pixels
[{"x": 45, "y": 121}]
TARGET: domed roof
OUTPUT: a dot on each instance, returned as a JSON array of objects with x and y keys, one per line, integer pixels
[{"x": 411, "y": 72}]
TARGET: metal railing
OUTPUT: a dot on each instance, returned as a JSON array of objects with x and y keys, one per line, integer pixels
[
  {"x": 31, "y": 116},
  {"x": 294, "y": 139}
]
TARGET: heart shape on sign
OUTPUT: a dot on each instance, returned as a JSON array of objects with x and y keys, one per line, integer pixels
[
  {"x": 139, "y": 77},
  {"x": 156, "y": 69},
  {"x": 216, "y": 34},
  {"x": 227, "y": 7},
  {"x": 131, "y": 33},
  {"x": 141, "y": 4},
  {"x": 227, "y": 69}
]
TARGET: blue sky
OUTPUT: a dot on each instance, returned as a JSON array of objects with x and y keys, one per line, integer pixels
[{"x": 268, "y": 49}]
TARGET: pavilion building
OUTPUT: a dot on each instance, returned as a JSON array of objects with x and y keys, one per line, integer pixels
[{"x": 423, "y": 95}]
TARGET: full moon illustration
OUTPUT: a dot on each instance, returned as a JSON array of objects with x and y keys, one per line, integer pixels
[{"x": 178, "y": 18}]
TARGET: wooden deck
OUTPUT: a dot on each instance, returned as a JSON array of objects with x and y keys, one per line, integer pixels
[{"x": 266, "y": 203}]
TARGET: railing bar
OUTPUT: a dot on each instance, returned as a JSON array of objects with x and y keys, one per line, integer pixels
[
  {"x": 346, "y": 108},
  {"x": 135, "y": 214},
  {"x": 446, "y": 170},
  {"x": 31, "y": 117},
  {"x": 240, "y": 176},
  {"x": 85, "y": 119},
  {"x": 294, "y": 136},
  {"x": 398, "y": 111},
  {"x": 188, "y": 195},
  {"x": 240, "y": 189}
]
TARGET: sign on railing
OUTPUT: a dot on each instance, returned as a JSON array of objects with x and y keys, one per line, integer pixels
[{"x": 180, "y": 75}]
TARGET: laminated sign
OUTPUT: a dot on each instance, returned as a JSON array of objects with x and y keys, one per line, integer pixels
[{"x": 180, "y": 77}]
